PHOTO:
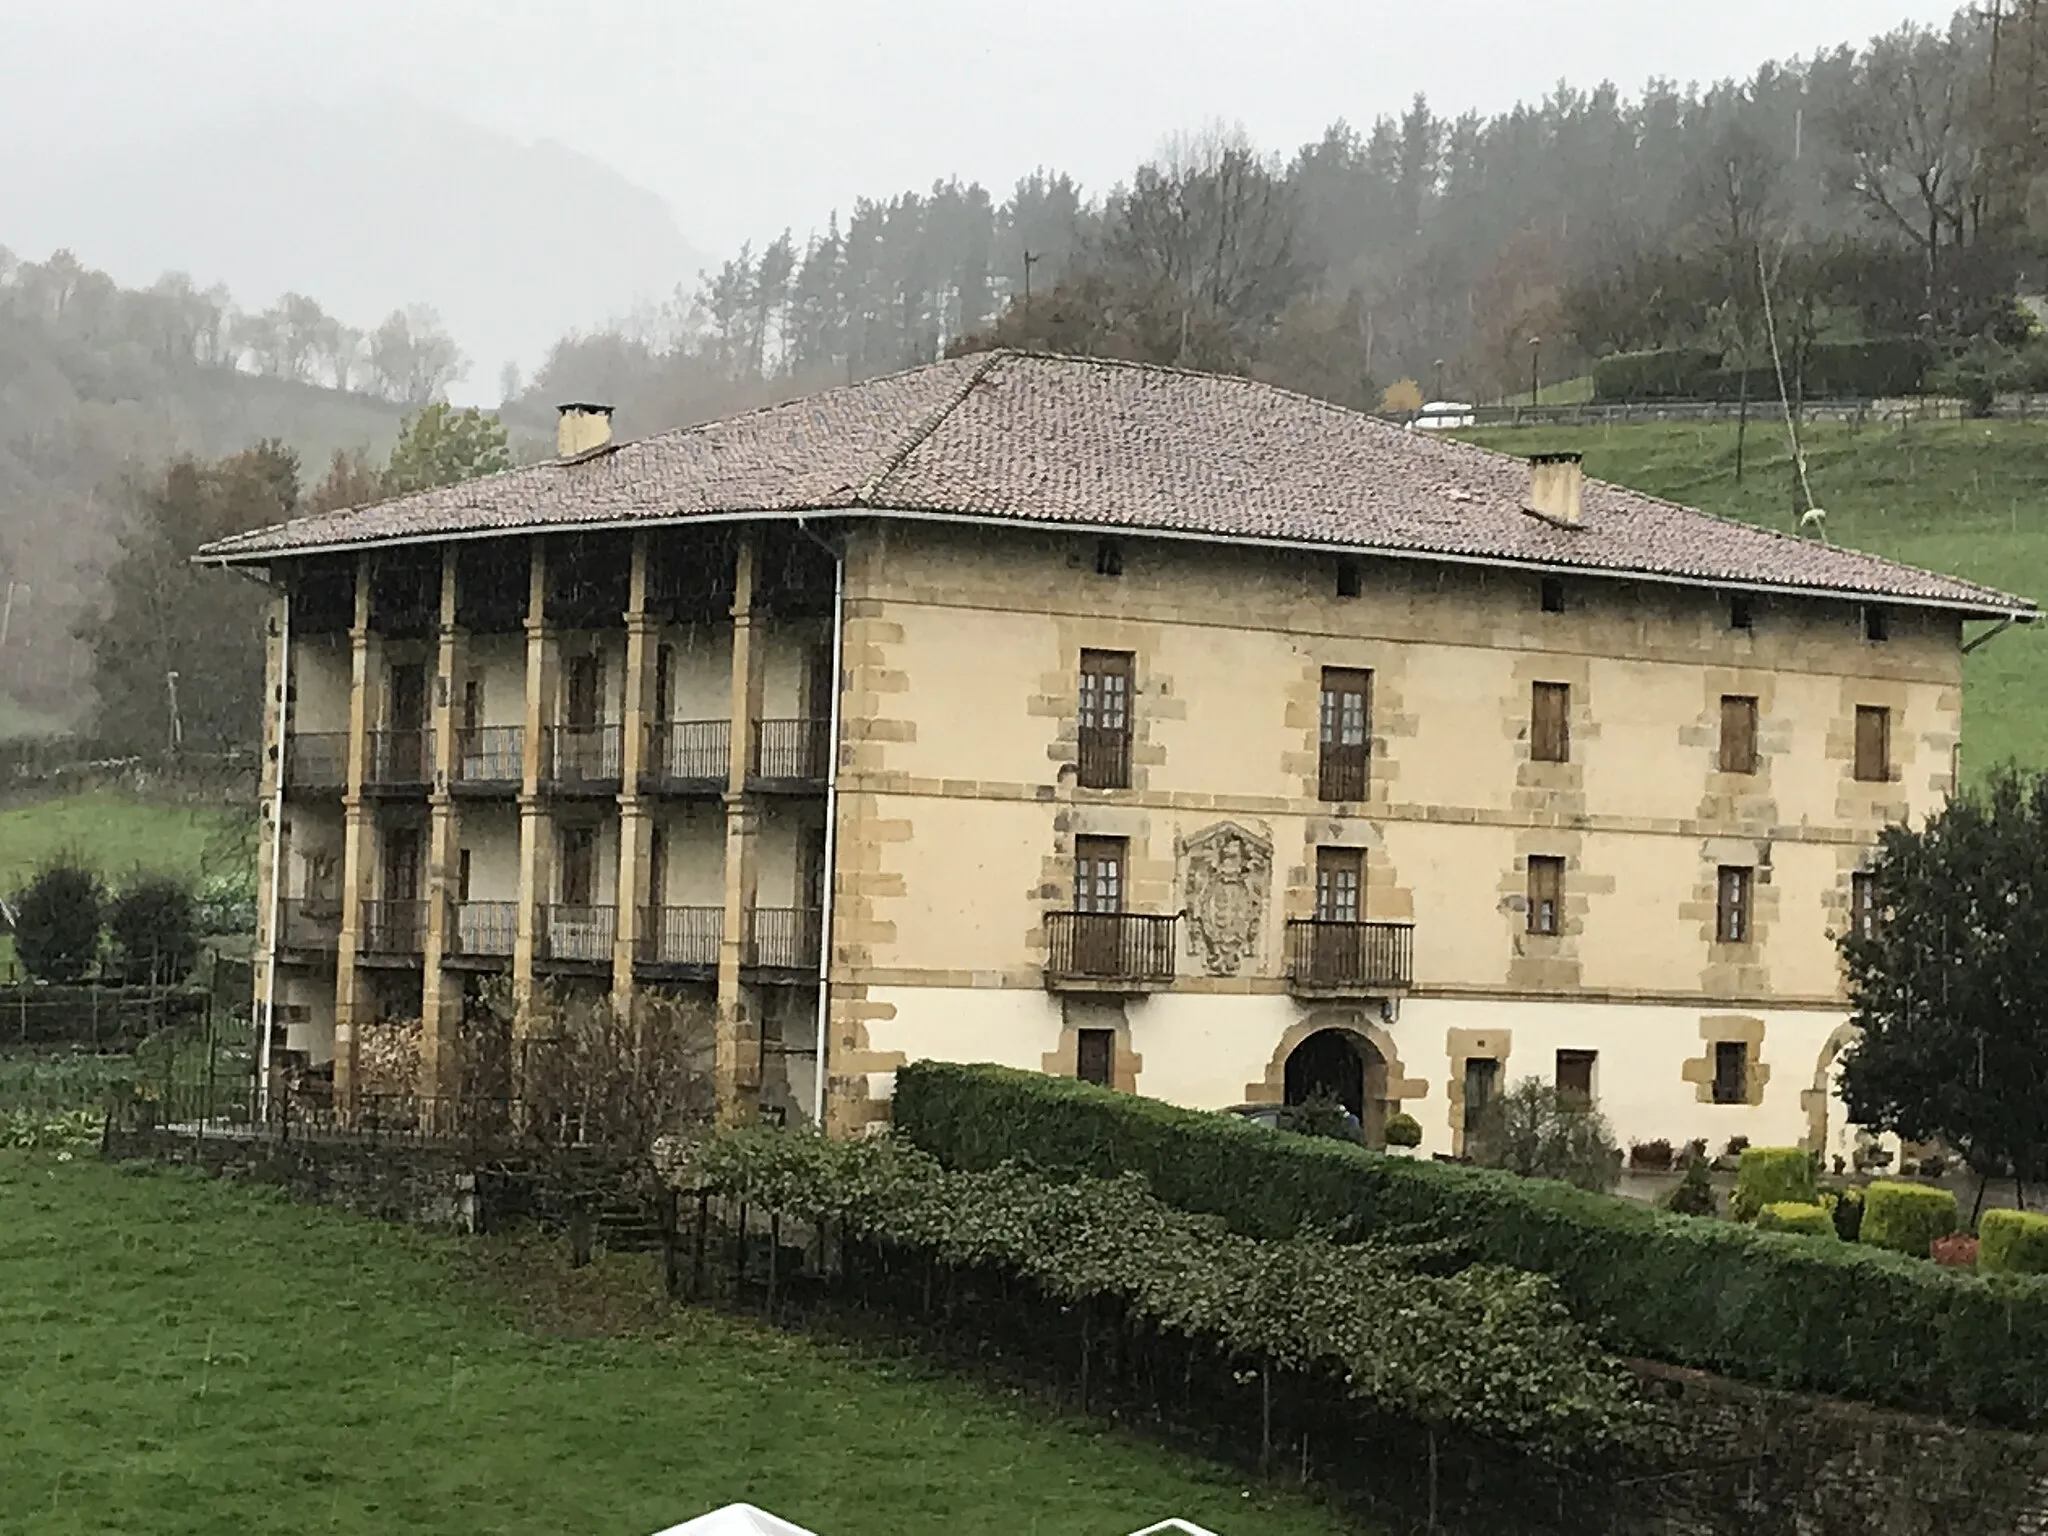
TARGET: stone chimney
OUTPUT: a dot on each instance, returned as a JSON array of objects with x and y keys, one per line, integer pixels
[
  {"x": 1555, "y": 485},
  {"x": 581, "y": 429}
]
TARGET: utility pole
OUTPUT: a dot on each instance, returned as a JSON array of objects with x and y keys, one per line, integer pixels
[
  {"x": 7, "y": 614},
  {"x": 177, "y": 725},
  {"x": 1030, "y": 260},
  {"x": 1535, "y": 366}
]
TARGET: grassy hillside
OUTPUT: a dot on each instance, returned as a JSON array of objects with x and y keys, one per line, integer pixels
[
  {"x": 186, "y": 1357},
  {"x": 1969, "y": 498},
  {"x": 114, "y": 833}
]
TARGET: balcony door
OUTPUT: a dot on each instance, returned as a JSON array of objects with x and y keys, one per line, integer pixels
[
  {"x": 1099, "y": 904},
  {"x": 579, "y": 866},
  {"x": 581, "y": 752},
  {"x": 1336, "y": 954},
  {"x": 1344, "y": 739},
  {"x": 402, "y": 864},
  {"x": 406, "y": 722}
]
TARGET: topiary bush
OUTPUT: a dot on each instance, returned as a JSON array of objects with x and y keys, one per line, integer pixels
[
  {"x": 1403, "y": 1130},
  {"x": 1771, "y": 1176},
  {"x": 2012, "y": 1243},
  {"x": 1906, "y": 1218},
  {"x": 57, "y": 922},
  {"x": 1848, "y": 1213},
  {"x": 1695, "y": 1193},
  {"x": 1796, "y": 1216},
  {"x": 154, "y": 925}
]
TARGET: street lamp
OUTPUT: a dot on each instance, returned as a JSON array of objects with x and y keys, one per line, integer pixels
[
  {"x": 1438, "y": 386},
  {"x": 1535, "y": 361}
]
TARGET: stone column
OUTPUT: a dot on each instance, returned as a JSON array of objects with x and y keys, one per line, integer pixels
[
  {"x": 440, "y": 1073},
  {"x": 272, "y": 860},
  {"x": 739, "y": 1027},
  {"x": 536, "y": 826},
  {"x": 358, "y": 840},
  {"x": 636, "y": 821}
]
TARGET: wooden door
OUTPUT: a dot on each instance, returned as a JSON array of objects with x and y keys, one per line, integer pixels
[{"x": 1098, "y": 904}]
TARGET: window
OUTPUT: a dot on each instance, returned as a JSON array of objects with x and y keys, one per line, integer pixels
[
  {"x": 1550, "y": 731},
  {"x": 1340, "y": 881},
  {"x": 402, "y": 864},
  {"x": 1095, "y": 1056},
  {"x": 1343, "y": 743},
  {"x": 1552, "y": 595},
  {"x": 1873, "y": 744},
  {"x": 1098, "y": 874},
  {"x": 472, "y": 705},
  {"x": 664, "y": 682},
  {"x": 408, "y": 700},
  {"x": 1740, "y": 613},
  {"x": 1546, "y": 893},
  {"x": 583, "y": 690},
  {"x": 1877, "y": 623},
  {"x": 1731, "y": 904},
  {"x": 462, "y": 874},
  {"x": 1731, "y": 1072},
  {"x": 1575, "y": 1073},
  {"x": 1104, "y": 720},
  {"x": 579, "y": 866},
  {"x": 1863, "y": 904},
  {"x": 1738, "y": 733},
  {"x": 1482, "y": 1074},
  {"x": 1349, "y": 580},
  {"x": 1109, "y": 558}
]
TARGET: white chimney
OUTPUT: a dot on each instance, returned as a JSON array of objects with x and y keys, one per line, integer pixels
[
  {"x": 1555, "y": 486},
  {"x": 581, "y": 429}
]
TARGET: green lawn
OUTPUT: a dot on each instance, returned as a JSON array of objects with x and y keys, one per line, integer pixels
[
  {"x": 1969, "y": 498},
  {"x": 113, "y": 832},
  {"x": 181, "y": 1356}
]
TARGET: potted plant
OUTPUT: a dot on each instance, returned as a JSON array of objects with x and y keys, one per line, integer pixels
[{"x": 1404, "y": 1134}]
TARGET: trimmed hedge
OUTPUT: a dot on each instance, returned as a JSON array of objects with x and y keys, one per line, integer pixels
[
  {"x": 1796, "y": 1216},
  {"x": 2012, "y": 1243},
  {"x": 1772, "y": 1176},
  {"x": 1839, "y": 1318},
  {"x": 1673, "y": 373},
  {"x": 1906, "y": 1218},
  {"x": 1834, "y": 370}
]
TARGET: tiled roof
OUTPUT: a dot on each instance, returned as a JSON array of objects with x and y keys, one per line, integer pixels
[{"x": 1084, "y": 442}]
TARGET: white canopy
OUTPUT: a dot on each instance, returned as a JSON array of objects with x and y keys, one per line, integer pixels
[{"x": 736, "y": 1520}]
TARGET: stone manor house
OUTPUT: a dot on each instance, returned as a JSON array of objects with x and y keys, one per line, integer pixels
[{"x": 1167, "y": 730}]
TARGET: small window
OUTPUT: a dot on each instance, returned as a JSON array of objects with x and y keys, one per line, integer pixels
[
  {"x": 1095, "y": 1056},
  {"x": 1104, "y": 720},
  {"x": 1738, "y": 733},
  {"x": 1109, "y": 558},
  {"x": 1550, "y": 731},
  {"x": 1349, "y": 581},
  {"x": 1877, "y": 623},
  {"x": 1482, "y": 1076},
  {"x": 1575, "y": 1073},
  {"x": 1731, "y": 1072},
  {"x": 1546, "y": 893},
  {"x": 1741, "y": 615},
  {"x": 1731, "y": 904},
  {"x": 1863, "y": 904},
  {"x": 1873, "y": 744},
  {"x": 1552, "y": 595}
]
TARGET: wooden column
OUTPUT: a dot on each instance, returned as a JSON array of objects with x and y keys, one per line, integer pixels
[
  {"x": 440, "y": 1003},
  {"x": 536, "y": 826},
  {"x": 273, "y": 861},
  {"x": 739, "y": 1027},
  {"x": 636, "y": 821},
  {"x": 358, "y": 839}
]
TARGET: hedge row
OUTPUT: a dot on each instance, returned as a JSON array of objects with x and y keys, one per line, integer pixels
[
  {"x": 1766, "y": 1307},
  {"x": 2013, "y": 1243},
  {"x": 1840, "y": 370}
]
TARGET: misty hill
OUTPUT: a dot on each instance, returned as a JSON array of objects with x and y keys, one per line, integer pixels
[{"x": 369, "y": 208}]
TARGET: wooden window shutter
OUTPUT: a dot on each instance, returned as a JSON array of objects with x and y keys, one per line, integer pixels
[
  {"x": 1550, "y": 737},
  {"x": 1873, "y": 744},
  {"x": 1738, "y": 733}
]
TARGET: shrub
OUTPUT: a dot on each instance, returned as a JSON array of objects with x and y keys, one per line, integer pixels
[
  {"x": 1403, "y": 1130},
  {"x": 1848, "y": 1214},
  {"x": 1695, "y": 1193},
  {"x": 1841, "y": 1318},
  {"x": 2013, "y": 1243},
  {"x": 57, "y": 924},
  {"x": 1796, "y": 1216},
  {"x": 1906, "y": 1218},
  {"x": 155, "y": 930},
  {"x": 1539, "y": 1132},
  {"x": 1320, "y": 1114},
  {"x": 1769, "y": 1176},
  {"x": 1650, "y": 1154},
  {"x": 1671, "y": 373}
]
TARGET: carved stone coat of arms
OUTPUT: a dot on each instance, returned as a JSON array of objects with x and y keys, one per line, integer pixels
[{"x": 1226, "y": 871}]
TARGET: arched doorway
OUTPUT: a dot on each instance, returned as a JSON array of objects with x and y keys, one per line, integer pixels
[{"x": 1346, "y": 1066}]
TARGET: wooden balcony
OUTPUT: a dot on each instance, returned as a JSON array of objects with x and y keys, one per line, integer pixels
[
  {"x": 575, "y": 935},
  {"x": 680, "y": 942},
  {"x": 309, "y": 926},
  {"x": 1110, "y": 951},
  {"x": 581, "y": 760},
  {"x": 399, "y": 762},
  {"x": 489, "y": 760},
  {"x": 316, "y": 762},
  {"x": 784, "y": 940},
  {"x": 1326, "y": 959},
  {"x": 791, "y": 755},
  {"x": 687, "y": 757},
  {"x": 393, "y": 930},
  {"x": 482, "y": 935}
]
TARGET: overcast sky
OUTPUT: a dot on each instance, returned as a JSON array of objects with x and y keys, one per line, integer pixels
[{"x": 747, "y": 117}]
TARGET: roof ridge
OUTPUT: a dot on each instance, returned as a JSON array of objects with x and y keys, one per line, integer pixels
[{"x": 919, "y": 434}]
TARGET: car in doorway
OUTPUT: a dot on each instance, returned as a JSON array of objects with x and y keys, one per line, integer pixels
[{"x": 1279, "y": 1117}]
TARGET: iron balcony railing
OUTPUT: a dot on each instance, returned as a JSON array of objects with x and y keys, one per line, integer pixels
[
  {"x": 1343, "y": 771},
  {"x": 394, "y": 927},
  {"x": 490, "y": 756},
  {"x": 1103, "y": 758},
  {"x": 784, "y": 938},
  {"x": 797, "y": 750},
  {"x": 681, "y": 935},
  {"x": 581, "y": 757},
  {"x": 309, "y": 923},
  {"x": 1136, "y": 948},
  {"x": 484, "y": 930},
  {"x": 684, "y": 752},
  {"x": 400, "y": 759},
  {"x": 316, "y": 760},
  {"x": 571, "y": 932},
  {"x": 1339, "y": 957}
]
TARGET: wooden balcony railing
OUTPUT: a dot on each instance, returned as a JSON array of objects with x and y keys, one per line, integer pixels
[
  {"x": 309, "y": 923},
  {"x": 1133, "y": 948},
  {"x": 316, "y": 761},
  {"x": 577, "y": 933},
  {"x": 792, "y": 750},
  {"x": 784, "y": 938},
  {"x": 581, "y": 757},
  {"x": 1325, "y": 957},
  {"x": 490, "y": 757},
  {"x": 687, "y": 936},
  {"x": 484, "y": 930},
  {"x": 1103, "y": 758},
  {"x": 393, "y": 927},
  {"x": 1343, "y": 772},
  {"x": 683, "y": 753},
  {"x": 401, "y": 760}
]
